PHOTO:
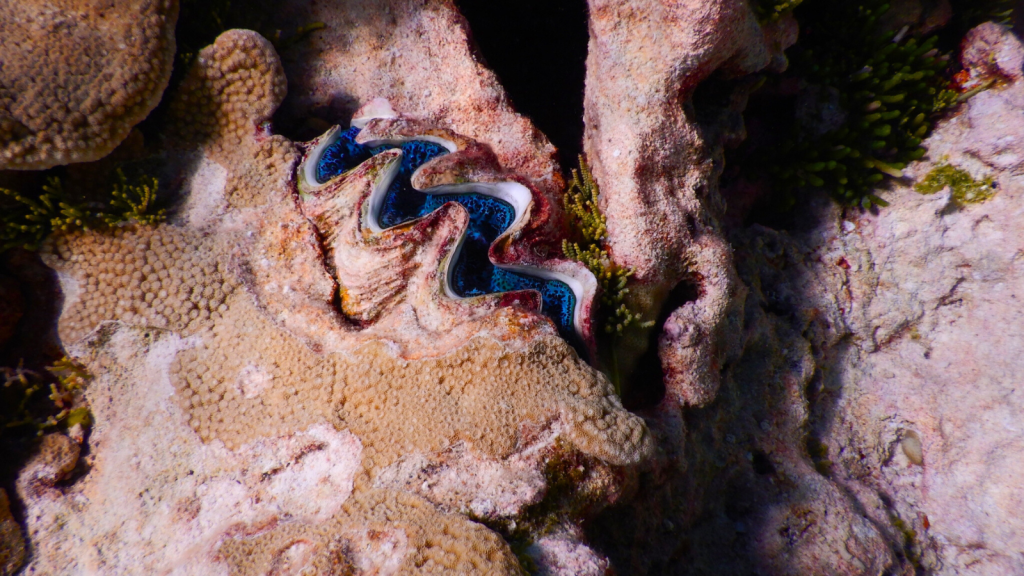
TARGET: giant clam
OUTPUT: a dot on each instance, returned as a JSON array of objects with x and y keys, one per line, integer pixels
[{"x": 377, "y": 190}]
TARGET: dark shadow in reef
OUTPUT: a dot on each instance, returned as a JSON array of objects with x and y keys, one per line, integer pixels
[
  {"x": 702, "y": 504},
  {"x": 538, "y": 49},
  {"x": 34, "y": 345},
  {"x": 645, "y": 386}
]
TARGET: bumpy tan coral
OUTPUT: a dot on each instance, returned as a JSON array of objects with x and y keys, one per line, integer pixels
[
  {"x": 159, "y": 277},
  {"x": 77, "y": 76},
  {"x": 247, "y": 370},
  {"x": 402, "y": 528},
  {"x": 224, "y": 105}
]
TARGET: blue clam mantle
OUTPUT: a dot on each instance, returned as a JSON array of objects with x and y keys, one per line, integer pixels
[{"x": 491, "y": 214}]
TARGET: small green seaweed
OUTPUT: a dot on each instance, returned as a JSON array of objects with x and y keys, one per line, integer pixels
[
  {"x": 771, "y": 10},
  {"x": 818, "y": 451},
  {"x": 63, "y": 406},
  {"x": 911, "y": 545},
  {"x": 32, "y": 217},
  {"x": 133, "y": 202},
  {"x": 581, "y": 203},
  {"x": 965, "y": 189},
  {"x": 871, "y": 98}
]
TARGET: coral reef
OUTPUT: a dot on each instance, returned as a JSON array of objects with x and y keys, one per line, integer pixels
[
  {"x": 75, "y": 81},
  {"x": 428, "y": 542},
  {"x": 656, "y": 172},
  {"x": 861, "y": 430},
  {"x": 246, "y": 306},
  {"x": 340, "y": 313}
]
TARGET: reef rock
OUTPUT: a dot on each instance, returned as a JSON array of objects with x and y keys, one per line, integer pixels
[
  {"x": 656, "y": 165},
  {"x": 869, "y": 423},
  {"x": 12, "y": 544},
  {"x": 418, "y": 56},
  {"x": 285, "y": 379},
  {"x": 924, "y": 396}
]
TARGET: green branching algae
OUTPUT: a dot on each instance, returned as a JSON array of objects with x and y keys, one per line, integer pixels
[
  {"x": 590, "y": 226},
  {"x": 133, "y": 201},
  {"x": 868, "y": 99},
  {"x": 25, "y": 408},
  {"x": 614, "y": 316},
  {"x": 32, "y": 217},
  {"x": 818, "y": 451},
  {"x": 770, "y": 10},
  {"x": 964, "y": 188}
]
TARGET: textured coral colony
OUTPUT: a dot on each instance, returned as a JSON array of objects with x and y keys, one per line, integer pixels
[{"x": 402, "y": 346}]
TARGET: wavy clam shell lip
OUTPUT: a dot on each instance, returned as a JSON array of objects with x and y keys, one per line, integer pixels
[{"x": 468, "y": 167}]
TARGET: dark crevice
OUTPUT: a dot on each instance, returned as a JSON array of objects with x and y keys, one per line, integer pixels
[
  {"x": 761, "y": 463},
  {"x": 538, "y": 49},
  {"x": 645, "y": 387}
]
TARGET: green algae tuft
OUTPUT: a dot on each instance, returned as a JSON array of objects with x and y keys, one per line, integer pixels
[
  {"x": 771, "y": 10},
  {"x": 31, "y": 217},
  {"x": 965, "y": 189}
]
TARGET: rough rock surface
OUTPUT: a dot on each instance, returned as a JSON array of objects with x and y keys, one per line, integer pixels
[
  {"x": 656, "y": 166},
  {"x": 12, "y": 544},
  {"x": 869, "y": 425},
  {"x": 78, "y": 75}
]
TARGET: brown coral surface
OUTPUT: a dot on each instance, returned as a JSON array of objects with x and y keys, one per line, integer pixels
[{"x": 77, "y": 76}]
